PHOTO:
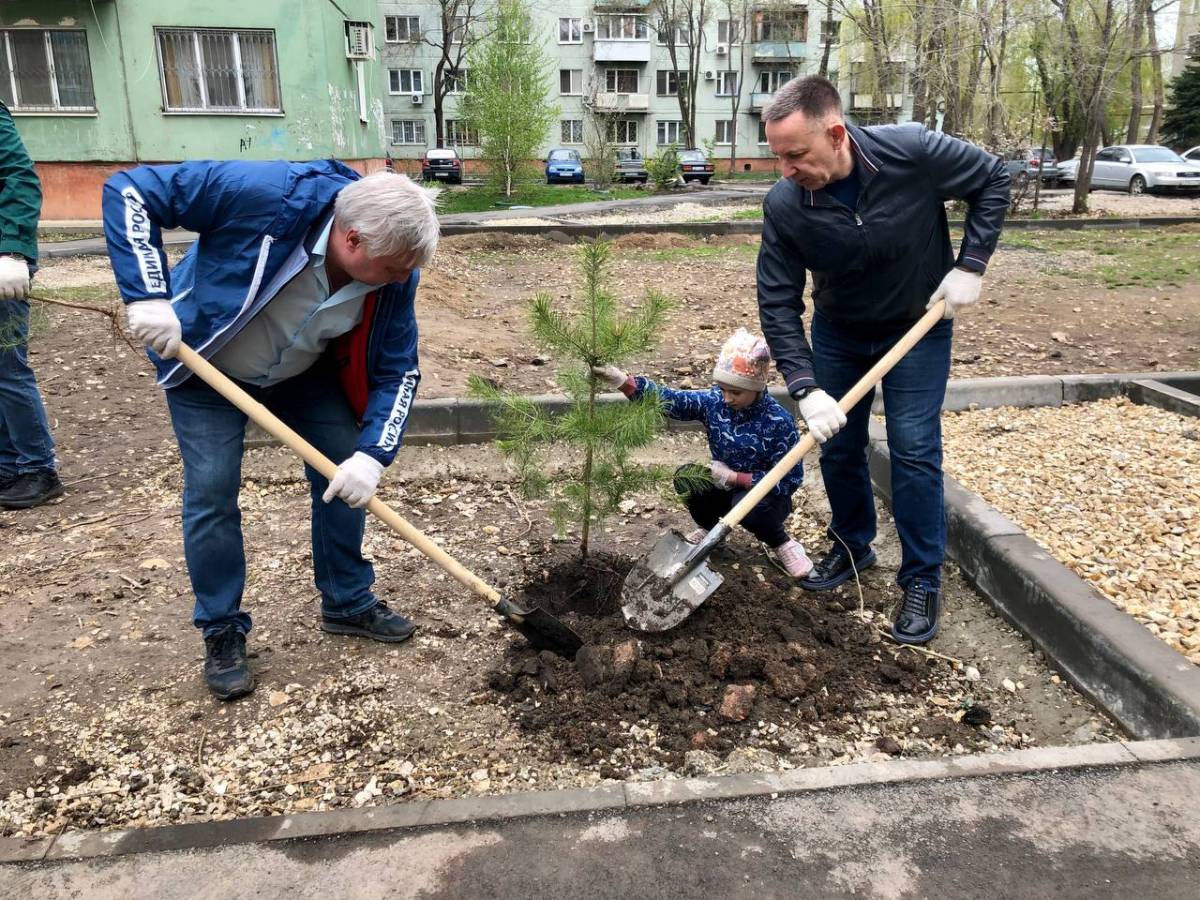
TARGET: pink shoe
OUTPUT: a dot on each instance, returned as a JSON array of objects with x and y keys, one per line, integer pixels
[{"x": 791, "y": 558}]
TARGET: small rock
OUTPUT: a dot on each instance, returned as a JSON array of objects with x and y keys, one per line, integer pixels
[
  {"x": 278, "y": 698},
  {"x": 479, "y": 775},
  {"x": 971, "y": 673},
  {"x": 889, "y": 745},
  {"x": 593, "y": 664},
  {"x": 737, "y": 702},
  {"x": 977, "y": 715},
  {"x": 1008, "y": 685},
  {"x": 745, "y": 760},
  {"x": 700, "y": 762},
  {"x": 624, "y": 657}
]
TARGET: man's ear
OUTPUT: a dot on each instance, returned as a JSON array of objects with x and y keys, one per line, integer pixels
[
  {"x": 353, "y": 239},
  {"x": 837, "y": 133}
]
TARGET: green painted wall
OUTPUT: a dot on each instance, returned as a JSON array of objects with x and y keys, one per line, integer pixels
[{"x": 317, "y": 84}]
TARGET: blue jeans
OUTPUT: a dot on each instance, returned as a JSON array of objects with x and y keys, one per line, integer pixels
[
  {"x": 912, "y": 396},
  {"x": 25, "y": 441},
  {"x": 210, "y": 431}
]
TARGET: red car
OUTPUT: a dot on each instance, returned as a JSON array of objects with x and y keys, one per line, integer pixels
[{"x": 694, "y": 166}]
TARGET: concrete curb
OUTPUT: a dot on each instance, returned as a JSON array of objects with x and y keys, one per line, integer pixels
[
  {"x": 567, "y": 232},
  {"x": 605, "y": 798},
  {"x": 1164, "y": 396},
  {"x": 1151, "y": 690}
]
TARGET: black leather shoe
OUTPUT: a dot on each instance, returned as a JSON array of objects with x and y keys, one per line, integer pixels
[
  {"x": 835, "y": 568},
  {"x": 31, "y": 489},
  {"x": 7, "y": 479},
  {"x": 917, "y": 620},
  {"x": 225, "y": 667},
  {"x": 378, "y": 623}
]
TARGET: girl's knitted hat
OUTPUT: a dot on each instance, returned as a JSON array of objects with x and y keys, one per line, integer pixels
[{"x": 744, "y": 362}]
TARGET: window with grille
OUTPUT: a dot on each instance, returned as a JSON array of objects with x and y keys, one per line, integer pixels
[
  {"x": 572, "y": 131},
  {"x": 456, "y": 80},
  {"x": 218, "y": 70},
  {"x": 622, "y": 28},
  {"x": 570, "y": 31},
  {"x": 727, "y": 84},
  {"x": 46, "y": 70},
  {"x": 406, "y": 81},
  {"x": 669, "y": 132},
  {"x": 570, "y": 81},
  {"x": 623, "y": 131},
  {"x": 621, "y": 81},
  {"x": 408, "y": 131},
  {"x": 724, "y": 133},
  {"x": 401, "y": 29},
  {"x": 459, "y": 135}
]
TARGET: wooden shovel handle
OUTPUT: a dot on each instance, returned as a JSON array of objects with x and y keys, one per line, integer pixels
[
  {"x": 847, "y": 403},
  {"x": 271, "y": 423}
]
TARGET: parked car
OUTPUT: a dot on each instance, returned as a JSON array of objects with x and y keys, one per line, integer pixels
[
  {"x": 1139, "y": 168},
  {"x": 564, "y": 164},
  {"x": 695, "y": 166},
  {"x": 1023, "y": 165},
  {"x": 630, "y": 166},
  {"x": 1067, "y": 171},
  {"x": 1192, "y": 155},
  {"x": 442, "y": 164}
]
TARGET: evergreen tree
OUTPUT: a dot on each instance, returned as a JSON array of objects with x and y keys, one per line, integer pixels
[
  {"x": 1181, "y": 125},
  {"x": 589, "y": 332},
  {"x": 506, "y": 94}
]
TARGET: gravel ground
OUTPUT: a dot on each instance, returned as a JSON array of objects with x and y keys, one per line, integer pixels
[
  {"x": 1109, "y": 488},
  {"x": 682, "y": 212},
  {"x": 1115, "y": 203}
]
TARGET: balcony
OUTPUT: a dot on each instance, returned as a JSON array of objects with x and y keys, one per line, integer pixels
[
  {"x": 873, "y": 101},
  {"x": 627, "y": 51},
  {"x": 780, "y": 51},
  {"x": 760, "y": 101},
  {"x": 622, "y": 103}
]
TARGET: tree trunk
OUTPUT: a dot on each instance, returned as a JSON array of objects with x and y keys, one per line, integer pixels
[
  {"x": 919, "y": 75},
  {"x": 823, "y": 68},
  {"x": 1134, "y": 126},
  {"x": 1156, "y": 75}
]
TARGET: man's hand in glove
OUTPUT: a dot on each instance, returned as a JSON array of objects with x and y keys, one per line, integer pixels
[{"x": 355, "y": 481}]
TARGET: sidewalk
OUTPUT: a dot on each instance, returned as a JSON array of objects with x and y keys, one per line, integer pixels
[{"x": 1054, "y": 825}]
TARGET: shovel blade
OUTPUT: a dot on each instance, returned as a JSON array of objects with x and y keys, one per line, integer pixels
[
  {"x": 649, "y": 599},
  {"x": 543, "y": 630}
]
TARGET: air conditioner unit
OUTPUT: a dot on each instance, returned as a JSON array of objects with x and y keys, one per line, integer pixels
[
  {"x": 359, "y": 42},
  {"x": 418, "y": 99},
  {"x": 588, "y": 27},
  {"x": 709, "y": 76},
  {"x": 722, "y": 49}
]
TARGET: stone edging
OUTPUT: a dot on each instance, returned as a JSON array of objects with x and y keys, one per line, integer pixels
[{"x": 605, "y": 798}]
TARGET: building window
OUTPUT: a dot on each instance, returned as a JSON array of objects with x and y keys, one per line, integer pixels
[
  {"x": 831, "y": 31},
  {"x": 459, "y": 29},
  {"x": 406, "y": 81},
  {"x": 668, "y": 132},
  {"x": 623, "y": 131},
  {"x": 727, "y": 84},
  {"x": 570, "y": 81},
  {"x": 622, "y": 28},
  {"x": 455, "y": 81},
  {"x": 781, "y": 25},
  {"x": 621, "y": 81},
  {"x": 408, "y": 131},
  {"x": 401, "y": 29},
  {"x": 570, "y": 31},
  {"x": 218, "y": 70},
  {"x": 572, "y": 131},
  {"x": 727, "y": 31},
  {"x": 46, "y": 70},
  {"x": 666, "y": 30},
  {"x": 762, "y": 131},
  {"x": 724, "y": 133},
  {"x": 771, "y": 80},
  {"x": 459, "y": 135},
  {"x": 668, "y": 82}
]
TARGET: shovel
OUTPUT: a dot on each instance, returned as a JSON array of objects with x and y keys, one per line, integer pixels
[
  {"x": 540, "y": 628},
  {"x": 673, "y": 579}
]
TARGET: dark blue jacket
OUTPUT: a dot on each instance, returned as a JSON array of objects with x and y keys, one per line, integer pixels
[
  {"x": 874, "y": 268},
  {"x": 251, "y": 216},
  {"x": 747, "y": 440}
]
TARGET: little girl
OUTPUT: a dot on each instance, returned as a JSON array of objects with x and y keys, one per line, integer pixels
[{"x": 748, "y": 432}]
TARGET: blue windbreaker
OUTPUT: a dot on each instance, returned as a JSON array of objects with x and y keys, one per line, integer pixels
[
  {"x": 747, "y": 440},
  {"x": 250, "y": 217}
]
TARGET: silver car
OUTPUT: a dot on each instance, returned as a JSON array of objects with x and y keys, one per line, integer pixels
[{"x": 1138, "y": 168}]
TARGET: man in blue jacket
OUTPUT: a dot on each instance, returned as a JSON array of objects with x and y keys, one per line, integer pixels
[
  {"x": 863, "y": 210},
  {"x": 301, "y": 288}
]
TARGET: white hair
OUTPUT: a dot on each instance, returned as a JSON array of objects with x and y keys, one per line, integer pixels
[{"x": 393, "y": 215}]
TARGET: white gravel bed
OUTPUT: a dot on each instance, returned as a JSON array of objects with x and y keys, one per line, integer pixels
[
  {"x": 1116, "y": 203},
  {"x": 1112, "y": 489},
  {"x": 682, "y": 212}
]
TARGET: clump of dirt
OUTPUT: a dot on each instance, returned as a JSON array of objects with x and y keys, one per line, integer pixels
[
  {"x": 500, "y": 241},
  {"x": 759, "y": 650}
]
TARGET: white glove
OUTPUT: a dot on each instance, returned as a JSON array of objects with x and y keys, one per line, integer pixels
[
  {"x": 355, "y": 480},
  {"x": 723, "y": 476},
  {"x": 154, "y": 323},
  {"x": 822, "y": 415},
  {"x": 959, "y": 289},
  {"x": 610, "y": 375},
  {"x": 14, "y": 278}
]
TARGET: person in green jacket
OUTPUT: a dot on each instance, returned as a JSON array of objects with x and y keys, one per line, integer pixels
[{"x": 28, "y": 475}]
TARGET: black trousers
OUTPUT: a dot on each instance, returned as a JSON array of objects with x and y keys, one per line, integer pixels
[{"x": 707, "y": 504}]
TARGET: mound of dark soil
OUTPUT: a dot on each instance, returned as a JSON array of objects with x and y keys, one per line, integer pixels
[{"x": 759, "y": 650}]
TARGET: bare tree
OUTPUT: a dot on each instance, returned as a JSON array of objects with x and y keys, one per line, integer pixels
[
  {"x": 599, "y": 137},
  {"x": 680, "y": 24},
  {"x": 737, "y": 32},
  {"x": 1156, "y": 73},
  {"x": 460, "y": 25}
]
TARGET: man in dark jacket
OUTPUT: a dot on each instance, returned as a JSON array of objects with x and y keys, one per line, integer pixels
[
  {"x": 28, "y": 475},
  {"x": 301, "y": 287},
  {"x": 863, "y": 210}
]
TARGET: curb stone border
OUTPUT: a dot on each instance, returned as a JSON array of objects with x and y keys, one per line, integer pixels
[{"x": 425, "y": 814}]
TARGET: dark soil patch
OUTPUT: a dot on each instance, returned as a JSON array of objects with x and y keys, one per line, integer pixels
[{"x": 759, "y": 650}]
